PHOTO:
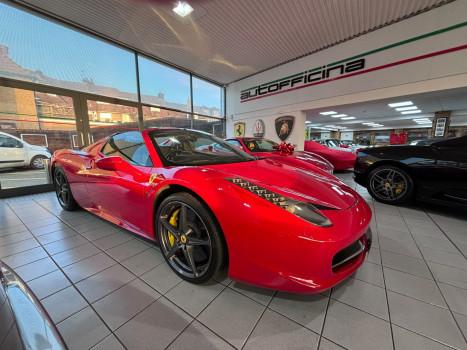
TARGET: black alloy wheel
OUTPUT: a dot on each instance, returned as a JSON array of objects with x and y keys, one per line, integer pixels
[
  {"x": 63, "y": 191},
  {"x": 390, "y": 185},
  {"x": 190, "y": 238}
]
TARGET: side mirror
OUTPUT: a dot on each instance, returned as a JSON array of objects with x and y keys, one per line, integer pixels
[{"x": 114, "y": 164}]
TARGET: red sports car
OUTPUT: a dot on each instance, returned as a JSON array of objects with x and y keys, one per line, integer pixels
[
  {"x": 276, "y": 226},
  {"x": 263, "y": 147},
  {"x": 341, "y": 160}
]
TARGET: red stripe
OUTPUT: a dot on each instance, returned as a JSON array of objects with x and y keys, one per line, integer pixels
[{"x": 437, "y": 53}]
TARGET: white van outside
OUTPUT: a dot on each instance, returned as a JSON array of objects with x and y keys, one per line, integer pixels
[{"x": 15, "y": 152}]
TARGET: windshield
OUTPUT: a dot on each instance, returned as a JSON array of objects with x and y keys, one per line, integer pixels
[
  {"x": 333, "y": 143},
  {"x": 189, "y": 147},
  {"x": 259, "y": 145}
]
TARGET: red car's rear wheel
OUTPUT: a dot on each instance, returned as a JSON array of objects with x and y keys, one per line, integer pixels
[
  {"x": 189, "y": 237},
  {"x": 63, "y": 191}
]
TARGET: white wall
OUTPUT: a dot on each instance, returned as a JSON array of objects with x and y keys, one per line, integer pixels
[
  {"x": 429, "y": 74},
  {"x": 347, "y": 135}
]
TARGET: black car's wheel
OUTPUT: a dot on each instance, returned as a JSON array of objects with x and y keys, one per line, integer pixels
[
  {"x": 389, "y": 184},
  {"x": 38, "y": 162},
  {"x": 189, "y": 237},
  {"x": 63, "y": 191}
]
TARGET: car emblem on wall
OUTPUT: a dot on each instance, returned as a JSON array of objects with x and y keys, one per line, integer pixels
[
  {"x": 284, "y": 126},
  {"x": 239, "y": 129},
  {"x": 258, "y": 128}
]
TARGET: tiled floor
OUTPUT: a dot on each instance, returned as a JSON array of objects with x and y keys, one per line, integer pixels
[{"x": 107, "y": 289}]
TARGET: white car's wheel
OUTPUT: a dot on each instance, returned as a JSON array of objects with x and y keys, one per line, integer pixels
[{"x": 38, "y": 162}]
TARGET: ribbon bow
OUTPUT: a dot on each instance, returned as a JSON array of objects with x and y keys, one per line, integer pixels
[{"x": 284, "y": 148}]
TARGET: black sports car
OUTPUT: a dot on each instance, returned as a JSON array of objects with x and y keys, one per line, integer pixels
[{"x": 396, "y": 174}]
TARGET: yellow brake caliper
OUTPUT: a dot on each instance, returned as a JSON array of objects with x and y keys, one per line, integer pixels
[
  {"x": 399, "y": 188},
  {"x": 174, "y": 222}
]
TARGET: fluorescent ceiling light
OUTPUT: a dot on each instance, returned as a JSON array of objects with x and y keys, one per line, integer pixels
[
  {"x": 338, "y": 115},
  {"x": 406, "y": 108},
  {"x": 183, "y": 9},
  {"x": 328, "y": 113},
  {"x": 400, "y": 104},
  {"x": 342, "y": 127},
  {"x": 307, "y": 122},
  {"x": 421, "y": 120},
  {"x": 348, "y": 118},
  {"x": 412, "y": 112},
  {"x": 368, "y": 123},
  {"x": 330, "y": 126}
]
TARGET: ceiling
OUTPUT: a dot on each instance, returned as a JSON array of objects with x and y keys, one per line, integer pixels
[
  {"x": 378, "y": 111},
  {"x": 226, "y": 40}
]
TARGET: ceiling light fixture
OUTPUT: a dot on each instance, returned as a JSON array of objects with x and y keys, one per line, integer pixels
[
  {"x": 338, "y": 115},
  {"x": 348, "y": 118},
  {"x": 412, "y": 112},
  {"x": 328, "y": 113},
  {"x": 406, "y": 108},
  {"x": 400, "y": 104},
  {"x": 183, "y": 9}
]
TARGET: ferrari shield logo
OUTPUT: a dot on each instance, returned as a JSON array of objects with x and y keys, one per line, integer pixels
[
  {"x": 284, "y": 126},
  {"x": 239, "y": 129}
]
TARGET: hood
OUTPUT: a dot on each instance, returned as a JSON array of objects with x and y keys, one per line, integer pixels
[
  {"x": 297, "y": 157},
  {"x": 295, "y": 182},
  {"x": 37, "y": 148}
]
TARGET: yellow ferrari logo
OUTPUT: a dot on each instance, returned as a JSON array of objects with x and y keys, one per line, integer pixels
[
  {"x": 183, "y": 239},
  {"x": 152, "y": 178},
  {"x": 239, "y": 129}
]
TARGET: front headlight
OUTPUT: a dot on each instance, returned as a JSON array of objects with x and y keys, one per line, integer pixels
[{"x": 303, "y": 210}]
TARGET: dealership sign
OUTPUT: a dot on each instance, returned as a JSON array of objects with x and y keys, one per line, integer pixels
[
  {"x": 344, "y": 68},
  {"x": 284, "y": 126},
  {"x": 239, "y": 129},
  {"x": 258, "y": 128}
]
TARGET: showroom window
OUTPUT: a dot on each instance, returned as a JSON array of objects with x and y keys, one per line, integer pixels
[
  {"x": 40, "y": 51},
  {"x": 211, "y": 125},
  {"x": 207, "y": 98},
  {"x": 156, "y": 117}
]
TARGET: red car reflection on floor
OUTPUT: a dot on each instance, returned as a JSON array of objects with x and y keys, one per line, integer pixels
[
  {"x": 262, "y": 147},
  {"x": 276, "y": 226},
  {"x": 341, "y": 160}
]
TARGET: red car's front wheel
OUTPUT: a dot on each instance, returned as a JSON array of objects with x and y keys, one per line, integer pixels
[{"x": 189, "y": 237}]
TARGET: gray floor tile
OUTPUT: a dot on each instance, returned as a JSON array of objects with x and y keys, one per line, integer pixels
[
  {"x": 374, "y": 256},
  {"x": 414, "y": 213},
  {"x": 457, "y": 237},
  {"x": 462, "y": 322},
  {"x": 104, "y": 282},
  {"x": 198, "y": 337},
  {"x": 444, "y": 258},
  {"x": 261, "y": 295},
  {"x": 161, "y": 278},
  {"x": 26, "y": 257},
  {"x": 42, "y": 222},
  {"x": 355, "y": 329},
  {"x": 90, "y": 224},
  {"x": 113, "y": 240},
  {"x": 15, "y": 238},
  {"x": 364, "y": 296},
  {"x": 127, "y": 250},
  {"x": 65, "y": 244},
  {"x": 426, "y": 319},
  {"x": 74, "y": 255},
  {"x": 9, "y": 223},
  {"x": 395, "y": 235},
  {"x": 326, "y": 344},
  {"x": 161, "y": 318},
  {"x": 109, "y": 343},
  {"x": 124, "y": 303},
  {"x": 17, "y": 247},
  {"x": 386, "y": 209},
  {"x": 9, "y": 230},
  {"x": 420, "y": 223},
  {"x": 56, "y": 236},
  {"x": 398, "y": 247},
  {"x": 407, "y": 264},
  {"x": 435, "y": 243},
  {"x": 371, "y": 273},
  {"x": 395, "y": 225},
  {"x": 144, "y": 261},
  {"x": 433, "y": 232},
  {"x": 63, "y": 304},
  {"x": 36, "y": 269},
  {"x": 449, "y": 275},
  {"x": 49, "y": 284},
  {"x": 407, "y": 340},
  {"x": 99, "y": 232},
  {"x": 413, "y": 286},
  {"x": 455, "y": 297},
  {"x": 88, "y": 267},
  {"x": 274, "y": 331},
  {"x": 307, "y": 310},
  {"x": 39, "y": 231},
  {"x": 193, "y": 298},
  {"x": 243, "y": 315},
  {"x": 83, "y": 330}
]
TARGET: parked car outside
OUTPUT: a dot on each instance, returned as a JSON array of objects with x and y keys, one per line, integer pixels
[{"x": 15, "y": 152}]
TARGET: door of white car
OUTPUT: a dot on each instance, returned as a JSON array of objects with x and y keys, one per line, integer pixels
[{"x": 12, "y": 152}]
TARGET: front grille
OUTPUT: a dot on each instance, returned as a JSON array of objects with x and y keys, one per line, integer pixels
[{"x": 348, "y": 253}]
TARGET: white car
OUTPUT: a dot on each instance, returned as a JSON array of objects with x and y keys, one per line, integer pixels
[{"x": 14, "y": 152}]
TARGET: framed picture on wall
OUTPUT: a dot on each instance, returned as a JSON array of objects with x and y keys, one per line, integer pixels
[
  {"x": 440, "y": 127},
  {"x": 382, "y": 136},
  {"x": 415, "y": 135}
]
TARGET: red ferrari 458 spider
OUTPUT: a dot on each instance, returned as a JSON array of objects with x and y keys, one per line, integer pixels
[
  {"x": 262, "y": 147},
  {"x": 341, "y": 160},
  {"x": 277, "y": 226}
]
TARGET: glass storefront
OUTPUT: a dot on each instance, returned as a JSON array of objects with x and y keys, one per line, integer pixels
[{"x": 155, "y": 117}]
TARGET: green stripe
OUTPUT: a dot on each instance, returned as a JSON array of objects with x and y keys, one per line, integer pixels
[
  {"x": 254, "y": 87},
  {"x": 274, "y": 81},
  {"x": 312, "y": 70},
  {"x": 436, "y": 32}
]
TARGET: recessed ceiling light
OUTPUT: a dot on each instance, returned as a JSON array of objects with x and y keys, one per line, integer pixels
[
  {"x": 328, "y": 113},
  {"x": 342, "y": 127},
  {"x": 348, "y": 118},
  {"x": 183, "y": 9},
  {"x": 400, "y": 104},
  {"x": 406, "y": 108},
  {"x": 412, "y": 112},
  {"x": 338, "y": 115}
]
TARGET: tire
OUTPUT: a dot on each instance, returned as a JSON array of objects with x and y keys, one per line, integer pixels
[
  {"x": 196, "y": 251},
  {"x": 63, "y": 190},
  {"x": 390, "y": 185},
  {"x": 38, "y": 162}
]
